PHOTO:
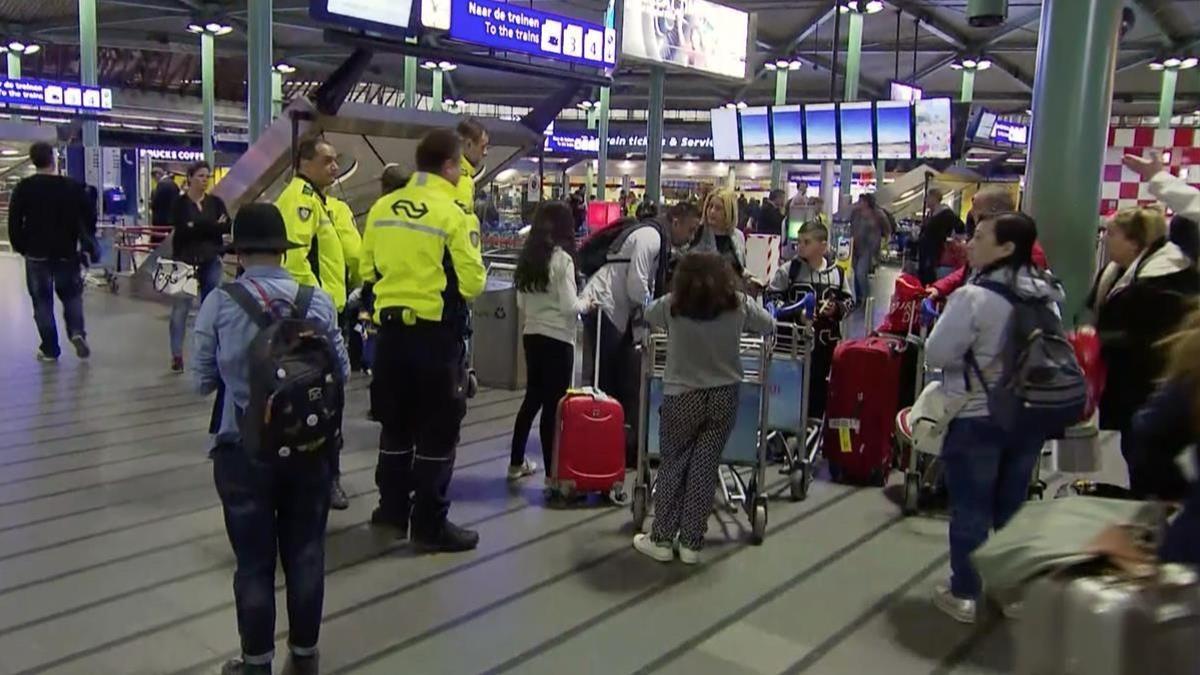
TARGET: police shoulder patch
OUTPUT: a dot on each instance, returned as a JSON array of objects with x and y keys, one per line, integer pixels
[
  {"x": 308, "y": 190},
  {"x": 474, "y": 238},
  {"x": 464, "y": 208},
  {"x": 304, "y": 212}
]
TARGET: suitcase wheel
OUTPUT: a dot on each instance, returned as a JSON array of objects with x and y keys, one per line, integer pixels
[
  {"x": 617, "y": 495},
  {"x": 758, "y": 522},
  {"x": 912, "y": 494}
]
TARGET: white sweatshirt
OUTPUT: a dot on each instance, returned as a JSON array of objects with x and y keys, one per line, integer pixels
[
  {"x": 1171, "y": 190},
  {"x": 555, "y": 311}
]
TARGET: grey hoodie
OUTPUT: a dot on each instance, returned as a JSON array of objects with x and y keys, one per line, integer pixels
[{"x": 977, "y": 320}]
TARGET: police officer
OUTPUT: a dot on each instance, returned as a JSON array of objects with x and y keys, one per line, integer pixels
[
  {"x": 474, "y": 151},
  {"x": 423, "y": 258},
  {"x": 319, "y": 260}
]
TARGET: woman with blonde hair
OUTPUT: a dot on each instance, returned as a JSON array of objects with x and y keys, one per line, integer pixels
[
  {"x": 1137, "y": 300},
  {"x": 718, "y": 231}
]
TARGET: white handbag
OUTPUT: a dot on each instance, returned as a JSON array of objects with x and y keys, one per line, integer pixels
[
  {"x": 175, "y": 278},
  {"x": 931, "y": 416}
]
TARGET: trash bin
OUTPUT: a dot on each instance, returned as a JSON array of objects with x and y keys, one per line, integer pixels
[{"x": 496, "y": 351}]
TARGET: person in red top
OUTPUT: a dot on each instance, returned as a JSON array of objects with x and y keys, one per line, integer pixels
[{"x": 988, "y": 202}]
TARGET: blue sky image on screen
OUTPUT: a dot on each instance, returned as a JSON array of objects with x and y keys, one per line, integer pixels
[
  {"x": 856, "y": 132},
  {"x": 789, "y": 139},
  {"x": 756, "y": 134},
  {"x": 822, "y": 131},
  {"x": 893, "y": 128}
]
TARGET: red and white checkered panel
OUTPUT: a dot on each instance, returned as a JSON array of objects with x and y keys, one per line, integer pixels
[{"x": 1122, "y": 188}]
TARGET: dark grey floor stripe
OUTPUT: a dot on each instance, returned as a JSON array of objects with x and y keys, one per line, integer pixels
[
  {"x": 334, "y": 532},
  {"x": 817, "y": 653},
  {"x": 962, "y": 650},
  {"x": 104, "y": 446},
  {"x": 580, "y": 628},
  {"x": 432, "y": 578}
]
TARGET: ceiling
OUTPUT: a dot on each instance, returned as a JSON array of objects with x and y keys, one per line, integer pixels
[{"x": 144, "y": 45}]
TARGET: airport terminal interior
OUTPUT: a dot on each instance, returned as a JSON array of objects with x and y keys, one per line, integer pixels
[{"x": 114, "y": 555}]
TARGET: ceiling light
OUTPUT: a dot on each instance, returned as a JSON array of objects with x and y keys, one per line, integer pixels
[
  {"x": 1170, "y": 63},
  {"x": 460, "y": 103},
  {"x": 874, "y": 6},
  {"x": 195, "y": 28},
  {"x": 849, "y": 6},
  {"x": 1189, "y": 62},
  {"x": 795, "y": 64},
  {"x": 1157, "y": 66},
  {"x": 284, "y": 68},
  {"x": 782, "y": 63},
  {"x": 731, "y": 104},
  {"x": 956, "y": 65},
  {"x": 969, "y": 64},
  {"x": 770, "y": 66},
  {"x": 447, "y": 66},
  {"x": 213, "y": 27},
  {"x": 741, "y": 105},
  {"x": 32, "y": 49},
  {"x": 16, "y": 46},
  {"x": 983, "y": 64},
  {"x": 429, "y": 65},
  {"x": 9, "y": 152}
]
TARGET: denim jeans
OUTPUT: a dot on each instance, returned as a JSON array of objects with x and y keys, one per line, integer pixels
[
  {"x": 44, "y": 279},
  {"x": 208, "y": 277},
  {"x": 861, "y": 266},
  {"x": 275, "y": 509},
  {"x": 988, "y": 472}
]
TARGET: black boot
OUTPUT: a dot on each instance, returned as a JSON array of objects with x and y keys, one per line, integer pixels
[
  {"x": 380, "y": 518},
  {"x": 338, "y": 500},
  {"x": 302, "y": 665},
  {"x": 240, "y": 667},
  {"x": 449, "y": 538}
]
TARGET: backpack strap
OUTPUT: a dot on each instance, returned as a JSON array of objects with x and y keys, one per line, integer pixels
[
  {"x": 249, "y": 304},
  {"x": 1003, "y": 290},
  {"x": 303, "y": 301}
]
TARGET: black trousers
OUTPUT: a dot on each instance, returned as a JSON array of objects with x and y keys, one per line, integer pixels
[
  {"x": 548, "y": 366},
  {"x": 417, "y": 398}
]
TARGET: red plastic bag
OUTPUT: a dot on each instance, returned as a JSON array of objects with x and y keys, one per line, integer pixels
[
  {"x": 906, "y": 300},
  {"x": 1087, "y": 352}
]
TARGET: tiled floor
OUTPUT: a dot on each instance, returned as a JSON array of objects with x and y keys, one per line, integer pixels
[{"x": 113, "y": 557}]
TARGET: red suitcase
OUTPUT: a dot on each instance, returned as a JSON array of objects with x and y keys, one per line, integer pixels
[
  {"x": 864, "y": 398},
  {"x": 589, "y": 443}
]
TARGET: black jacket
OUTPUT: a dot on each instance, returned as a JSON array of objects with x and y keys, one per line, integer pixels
[
  {"x": 1133, "y": 314},
  {"x": 197, "y": 235},
  {"x": 932, "y": 241},
  {"x": 162, "y": 202},
  {"x": 1162, "y": 430},
  {"x": 50, "y": 217}
]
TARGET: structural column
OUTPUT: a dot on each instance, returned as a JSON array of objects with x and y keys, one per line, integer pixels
[
  {"x": 276, "y": 94},
  {"x": 1072, "y": 100},
  {"x": 654, "y": 135},
  {"x": 87, "y": 77},
  {"x": 436, "y": 104},
  {"x": 259, "y": 66},
  {"x": 410, "y": 79},
  {"x": 1166, "y": 100},
  {"x": 208, "y": 92},
  {"x": 602, "y": 155},
  {"x": 14, "y": 66},
  {"x": 968, "y": 85},
  {"x": 853, "y": 60},
  {"x": 781, "y": 83}
]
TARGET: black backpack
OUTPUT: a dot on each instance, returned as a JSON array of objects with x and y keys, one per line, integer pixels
[
  {"x": 296, "y": 386},
  {"x": 603, "y": 247},
  {"x": 1042, "y": 387}
]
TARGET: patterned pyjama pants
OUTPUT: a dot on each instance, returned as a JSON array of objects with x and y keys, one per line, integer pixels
[{"x": 693, "y": 429}]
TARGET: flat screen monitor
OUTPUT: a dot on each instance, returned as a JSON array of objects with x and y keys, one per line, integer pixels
[
  {"x": 756, "y": 133},
  {"x": 933, "y": 128},
  {"x": 983, "y": 130},
  {"x": 787, "y": 132},
  {"x": 902, "y": 91},
  {"x": 893, "y": 129},
  {"x": 858, "y": 131},
  {"x": 726, "y": 145},
  {"x": 377, "y": 16},
  {"x": 693, "y": 34},
  {"x": 820, "y": 123}
]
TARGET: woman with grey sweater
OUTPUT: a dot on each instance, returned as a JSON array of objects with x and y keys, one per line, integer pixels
[{"x": 704, "y": 316}]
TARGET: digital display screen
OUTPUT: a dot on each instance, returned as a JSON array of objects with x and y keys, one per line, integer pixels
[
  {"x": 756, "y": 133},
  {"x": 987, "y": 122},
  {"x": 43, "y": 93},
  {"x": 901, "y": 91},
  {"x": 694, "y": 34},
  {"x": 553, "y": 36},
  {"x": 787, "y": 124},
  {"x": 893, "y": 129},
  {"x": 1011, "y": 134},
  {"x": 379, "y": 16},
  {"x": 820, "y": 121},
  {"x": 933, "y": 128},
  {"x": 858, "y": 131},
  {"x": 726, "y": 146}
]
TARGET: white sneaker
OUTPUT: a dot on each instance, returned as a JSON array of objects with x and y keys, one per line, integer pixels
[
  {"x": 959, "y": 609},
  {"x": 526, "y": 469},
  {"x": 46, "y": 358},
  {"x": 688, "y": 556},
  {"x": 664, "y": 553}
]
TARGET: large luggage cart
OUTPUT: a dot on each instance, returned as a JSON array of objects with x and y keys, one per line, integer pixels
[
  {"x": 791, "y": 435},
  {"x": 745, "y": 450}
]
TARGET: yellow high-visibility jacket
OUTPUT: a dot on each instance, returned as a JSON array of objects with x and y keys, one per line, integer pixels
[
  {"x": 347, "y": 229},
  {"x": 465, "y": 192},
  {"x": 420, "y": 251},
  {"x": 320, "y": 261}
]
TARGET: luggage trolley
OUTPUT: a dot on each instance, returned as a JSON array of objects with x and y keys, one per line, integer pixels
[
  {"x": 746, "y": 448},
  {"x": 788, "y": 426}
]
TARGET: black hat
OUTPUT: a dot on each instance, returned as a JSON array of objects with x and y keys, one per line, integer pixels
[{"x": 259, "y": 227}]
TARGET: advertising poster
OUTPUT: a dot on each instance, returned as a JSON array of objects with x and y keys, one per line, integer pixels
[
  {"x": 726, "y": 147},
  {"x": 756, "y": 133},
  {"x": 933, "y": 128},
  {"x": 821, "y": 121},
  {"x": 893, "y": 129},
  {"x": 857, "y": 131},
  {"x": 788, "y": 126},
  {"x": 695, "y": 34}
]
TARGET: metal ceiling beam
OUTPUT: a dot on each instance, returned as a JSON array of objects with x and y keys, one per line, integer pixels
[
  {"x": 809, "y": 27},
  {"x": 1010, "y": 27},
  {"x": 1156, "y": 11},
  {"x": 1185, "y": 45}
]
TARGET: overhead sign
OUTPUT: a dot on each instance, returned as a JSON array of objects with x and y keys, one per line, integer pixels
[
  {"x": 45, "y": 94},
  {"x": 697, "y": 141},
  {"x": 378, "y": 16},
  {"x": 694, "y": 34},
  {"x": 552, "y": 36},
  {"x": 171, "y": 154}
]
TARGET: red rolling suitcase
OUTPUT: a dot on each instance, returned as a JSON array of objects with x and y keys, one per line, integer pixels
[
  {"x": 864, "y": 398},
  {"x": 589, "y": 446}
]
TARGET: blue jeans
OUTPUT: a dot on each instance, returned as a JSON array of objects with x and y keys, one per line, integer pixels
[
  {"x": 861, "y": 266},
  {"x": 44, "y": 279},
  {"x": 275, "y": 509},
  {"x": 988, "y": 472},
  {"x": 208, "y": 277}
]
